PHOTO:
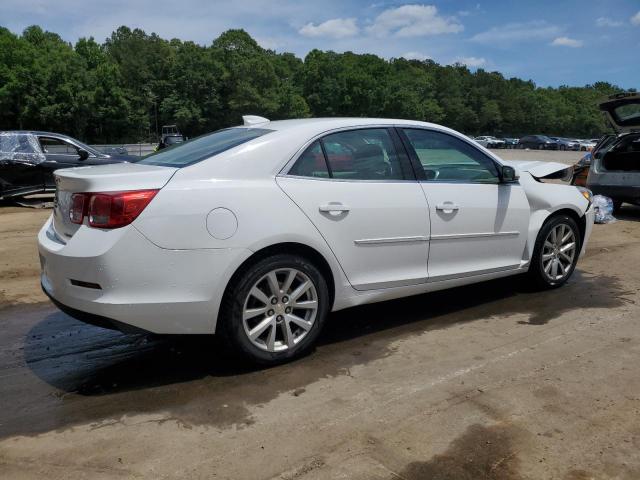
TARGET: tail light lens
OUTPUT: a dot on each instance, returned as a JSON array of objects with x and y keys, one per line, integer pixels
[
  {"x": 109, "y": 209},
  {"x": 78, "y": 207}
]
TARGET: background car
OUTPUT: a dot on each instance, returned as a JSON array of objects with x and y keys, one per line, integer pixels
[
  {"x": 257, "y": 232},
  {"x": 615, "y": 161},
  {"x": 566, "y": 143},
  {"x": 510, "y": 142},
  {"x": 170, "y": 140},
  {"x": 29, "y": 158},
  {"x": 587, "y": 145},
  {"x": 491, "y": 142},
  {"x": 538, "y": 142}
]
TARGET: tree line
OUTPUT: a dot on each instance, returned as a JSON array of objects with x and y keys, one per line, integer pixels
[{"x": 124, "y": 89}]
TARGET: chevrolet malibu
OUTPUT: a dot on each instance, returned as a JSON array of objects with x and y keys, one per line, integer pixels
[{"x": 257, "y": 232}]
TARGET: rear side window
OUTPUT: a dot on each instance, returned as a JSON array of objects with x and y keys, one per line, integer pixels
[
  {"x": 203, "y": 147},
  {"x": 362, "y": 154},
  {"x": 311, "y": 163},
  {"x": 18, "y": 143},
  {"x": 365, "y": 154}
]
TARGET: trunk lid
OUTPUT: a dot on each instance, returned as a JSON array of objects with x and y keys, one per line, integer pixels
[
  {"x": 623, "y": 111},
  {"x": 105, "y": 178}
]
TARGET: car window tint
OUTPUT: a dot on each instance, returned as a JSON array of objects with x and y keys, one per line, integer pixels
[
  {"x": 365, "y": 154},
  {"x": 57, "y": 146},
  {"x": 447, "y": 158},
  {"x": 201, "y": 148},
  {"x": 311, "y": 163}
]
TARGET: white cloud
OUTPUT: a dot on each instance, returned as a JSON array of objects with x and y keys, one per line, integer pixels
[
  {"x": 566, "y": 42},
  {"x": 414, "y": 56},
  {"x": 518, "y": 32},
  {"x": 635, "y": 20},
  {"x": 334, "y": 28},
  {"x": 608, "y": 22},
  {"x": 471, "y": 62},
  {"x": 413, "y": 21}
]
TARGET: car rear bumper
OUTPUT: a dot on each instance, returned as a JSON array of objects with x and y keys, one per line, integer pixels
[
  {"x": 119, "y": 279},
  {"x": 626, "y": 193}
]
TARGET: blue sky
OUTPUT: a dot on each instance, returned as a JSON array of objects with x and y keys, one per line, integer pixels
[{"x": 551, "y": 42}]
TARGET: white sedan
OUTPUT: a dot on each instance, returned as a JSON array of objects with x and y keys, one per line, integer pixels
[{"x": 257, "y": 232}]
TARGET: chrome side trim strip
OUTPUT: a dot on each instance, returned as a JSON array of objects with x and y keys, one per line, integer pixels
[
  {"x": 474, "y": 235},
  {"x": 410, "y": 282},
  {"x": 379, "y": 241}
]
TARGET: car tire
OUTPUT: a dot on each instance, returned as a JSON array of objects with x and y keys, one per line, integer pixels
[
  {"x": 542, "y": 272},
  {"x": 617, "y": 205},
  {"x": 240, "y": 302}
]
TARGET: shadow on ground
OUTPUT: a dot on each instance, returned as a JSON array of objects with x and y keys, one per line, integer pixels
[
  {"x": 99, "y": 376},
  {"x": 628, "y": 212}
]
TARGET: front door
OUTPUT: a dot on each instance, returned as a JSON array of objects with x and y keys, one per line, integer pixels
[
  {"x": 478, "y": 224},
  {"x": 360, "y": 193}
]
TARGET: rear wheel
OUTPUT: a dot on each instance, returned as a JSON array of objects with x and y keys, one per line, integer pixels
[
  {"x": 275, "y": 309},
  {"x": 617, "y": 205},
  {"x": 556, "y": 252}
]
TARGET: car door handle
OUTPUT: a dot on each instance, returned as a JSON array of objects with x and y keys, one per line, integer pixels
[
  {"x": 334, "y": 207},
  {"x": 447, "y": 207}
]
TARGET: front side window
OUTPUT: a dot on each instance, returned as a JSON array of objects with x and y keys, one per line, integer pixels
[
  {"x": 201, "y": 148},
  {"x": 56, "y": 146},
  {"x": 446, "y": 158}
]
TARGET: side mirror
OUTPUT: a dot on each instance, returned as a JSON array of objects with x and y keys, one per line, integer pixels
[
  {"x": 508, "y": 174},
  {"x": 83, "y": 154}
]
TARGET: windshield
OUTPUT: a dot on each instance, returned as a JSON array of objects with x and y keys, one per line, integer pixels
[{"x": 203, "y": 147}]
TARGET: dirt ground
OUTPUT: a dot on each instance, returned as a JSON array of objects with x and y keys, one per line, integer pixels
[{"x": 490, "y": 381}]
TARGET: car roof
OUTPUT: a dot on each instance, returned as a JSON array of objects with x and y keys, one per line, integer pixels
[
  {"x": 35, "y": 132},
  {"x": 317, "y": 126}
]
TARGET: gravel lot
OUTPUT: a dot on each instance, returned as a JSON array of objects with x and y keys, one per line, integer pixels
[{"x": 490, "y": 381}]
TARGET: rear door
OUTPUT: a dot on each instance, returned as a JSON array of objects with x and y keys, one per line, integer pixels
[
  {"x": 478, "y": 224},
  {"x": 358, "y": 189}
]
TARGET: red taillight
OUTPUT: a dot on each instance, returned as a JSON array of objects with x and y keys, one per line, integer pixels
[
  {"x": 109, "y": 209},
  {"x": 78, "y": 207}
]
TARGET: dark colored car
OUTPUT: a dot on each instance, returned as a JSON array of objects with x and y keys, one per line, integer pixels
[
  {"x": 538, "y": 142},
  {"x": 28, "y": 160},
  {"x": 510, "y": 142}
]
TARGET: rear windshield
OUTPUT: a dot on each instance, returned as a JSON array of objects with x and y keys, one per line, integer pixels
[
  {"x": 203, "y": 147},
  {"x": 628, "y": 115}
]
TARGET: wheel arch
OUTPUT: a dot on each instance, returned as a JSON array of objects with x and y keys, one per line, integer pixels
[
  {"x": 580, "y": 220},
  {"x": 540, "y": 217},
  {"x": 290, "y": 248}
]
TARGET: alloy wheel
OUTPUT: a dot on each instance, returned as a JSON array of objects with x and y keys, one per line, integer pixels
[
  {"x": 558, "y": 252},
  {"x": 280, "y": 309}
]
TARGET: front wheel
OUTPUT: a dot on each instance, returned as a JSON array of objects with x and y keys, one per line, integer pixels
[
  {"x": 275, "y": 309},
  {"x": 555, "y": 252}
]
